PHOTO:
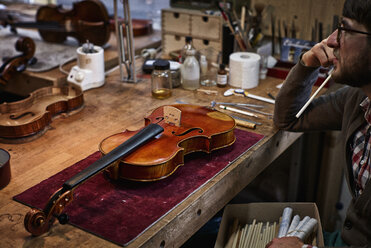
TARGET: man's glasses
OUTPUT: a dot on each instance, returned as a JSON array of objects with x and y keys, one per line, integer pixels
[{"x": 340, "y": 29}]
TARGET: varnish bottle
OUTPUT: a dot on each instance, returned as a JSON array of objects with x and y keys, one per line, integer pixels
[
  {"x": 161, "y": 79},
  {"x": 222, "y": 77}
]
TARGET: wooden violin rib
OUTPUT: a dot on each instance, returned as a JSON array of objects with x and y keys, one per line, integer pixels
[{"x": 31, "y": 115}]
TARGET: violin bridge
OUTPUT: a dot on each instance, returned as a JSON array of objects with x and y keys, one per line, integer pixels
[{"x": 172, "y": 115}]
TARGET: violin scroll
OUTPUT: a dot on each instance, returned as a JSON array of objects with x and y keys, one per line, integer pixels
[
  {"x": 27, "y": 46},
  {"x": 19, "y": 62},
  {"x": 38, "y": 221}
]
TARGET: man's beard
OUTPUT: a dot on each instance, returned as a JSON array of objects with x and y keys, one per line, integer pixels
[{"x": 357, "y": 73}]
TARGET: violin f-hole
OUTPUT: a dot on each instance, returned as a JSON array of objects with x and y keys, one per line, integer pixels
[
  {"x": 14, "y": 117},
  {"x": 200, "y": 130}
]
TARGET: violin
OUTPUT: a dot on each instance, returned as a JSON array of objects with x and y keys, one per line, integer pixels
[
  {"x": 19, "y": 62},
  {"x": 32, "y": 115},
  {"x": 149, "y": 154},
  {"x": 87, "y": 20}
]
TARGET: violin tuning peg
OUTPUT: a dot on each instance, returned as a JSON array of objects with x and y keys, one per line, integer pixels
[
  {"x": 32, "y": 61},
  {"x": 21, "y": 68},
  {"x": 63, "y": 219},
  {"x": 13, "y": 30}
]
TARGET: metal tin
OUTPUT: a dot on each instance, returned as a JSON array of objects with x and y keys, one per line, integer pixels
[{"x": 4, "y": 168}]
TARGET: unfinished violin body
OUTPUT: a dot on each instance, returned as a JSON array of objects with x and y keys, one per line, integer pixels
[
  {"x": 200, "y": 129},
  {"x": 32, "y": 115}
]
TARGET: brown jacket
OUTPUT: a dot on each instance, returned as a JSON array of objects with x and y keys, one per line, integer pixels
[{"x": 339, "y": 110}]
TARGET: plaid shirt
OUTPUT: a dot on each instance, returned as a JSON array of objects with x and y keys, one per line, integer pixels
[{"x": 361, "y": 150}]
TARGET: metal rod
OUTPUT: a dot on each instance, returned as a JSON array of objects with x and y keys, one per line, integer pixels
[
  {"x": 213, "y": 103},
  {"x": 126, "y": 52}
]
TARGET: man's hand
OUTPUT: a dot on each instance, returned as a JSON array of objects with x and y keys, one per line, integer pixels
[
  {"x": 285, "y": 242},
  {"x": 319, "y": 55}
]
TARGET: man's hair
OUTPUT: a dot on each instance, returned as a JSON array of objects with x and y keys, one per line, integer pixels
[{"x": 359, "y": 10}]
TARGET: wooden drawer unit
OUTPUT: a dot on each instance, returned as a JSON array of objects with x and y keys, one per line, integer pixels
[
  {"x": 172, "y": 42},
  {"x": 177, "y": 23},
  {"x": 207, "y": 27}
]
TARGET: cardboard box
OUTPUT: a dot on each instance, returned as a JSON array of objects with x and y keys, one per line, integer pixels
[{"x": 265, "y": 212}]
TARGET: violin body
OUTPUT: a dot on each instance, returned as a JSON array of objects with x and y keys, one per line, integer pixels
[
  {"x": 201, "y": 129},
  {"x": 88, "y": 20},
  {"x": 32, "y": 115}
]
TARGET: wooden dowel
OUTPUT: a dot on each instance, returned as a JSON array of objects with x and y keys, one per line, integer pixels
[
  {"x": 232, "y": 234},
  {"x": 252, "y": 234},
  {"x": 313, "y": 96},
  {"x": 245, "y": 124}
]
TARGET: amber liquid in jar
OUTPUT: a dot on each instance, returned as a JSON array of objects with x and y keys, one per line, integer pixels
[
  {"x": 161, "y": 93},
  {"x": 161, "y": 79}
]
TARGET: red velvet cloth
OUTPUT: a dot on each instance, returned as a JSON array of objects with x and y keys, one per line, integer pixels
[{"x": 120, "y": 211}]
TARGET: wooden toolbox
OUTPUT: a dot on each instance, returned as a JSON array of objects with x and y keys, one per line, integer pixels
[{"x": 206, "y": 31}]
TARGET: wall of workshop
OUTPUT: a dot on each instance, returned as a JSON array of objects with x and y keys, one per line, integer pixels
[{"x": 302, "y": 15}]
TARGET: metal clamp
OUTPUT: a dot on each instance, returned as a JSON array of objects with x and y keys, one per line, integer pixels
[{"x": 126, "y": 52}]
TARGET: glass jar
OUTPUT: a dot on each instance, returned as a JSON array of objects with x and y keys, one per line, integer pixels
[
  {"x": 190, "y": 71},
  {"x": 161, "y": 79}
]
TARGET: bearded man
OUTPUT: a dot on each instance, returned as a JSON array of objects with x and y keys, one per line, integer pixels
[{"x": 348, "y": 50}]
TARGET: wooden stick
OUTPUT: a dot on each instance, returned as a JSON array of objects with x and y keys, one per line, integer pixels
[
  {"x": 256, "y": 236},
  {"x": 243, "y": 13},
  {"x": 245, "y": 124},
  {"x": 241, "y": 235},
  {"x": 247, "y": 244},
  {"x": 237, "y": 233},
  {"x": 233, "y": 231},
  {"x": 313, "y": 96},
  {"x": 266, "y": 234}
]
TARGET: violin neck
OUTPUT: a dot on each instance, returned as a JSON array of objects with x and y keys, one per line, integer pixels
[
  {"x": 51, "y": 26},
  {"x": 130, "y": 145}
]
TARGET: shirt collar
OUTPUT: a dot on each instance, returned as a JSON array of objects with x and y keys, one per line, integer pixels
[{"x": 365, "y": 105}]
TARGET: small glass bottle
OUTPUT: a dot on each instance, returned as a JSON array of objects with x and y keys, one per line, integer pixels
[
  {"x": 161, "y": 79},
  {"x": 222, "y": 78},
  {"x": 207, "y": 77},
  {"x": 190, "y": 71},
  {"x": 188, "y": 46}
]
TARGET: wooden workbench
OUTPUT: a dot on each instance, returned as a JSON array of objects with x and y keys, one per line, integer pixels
[{"x": 110, "y": 109}]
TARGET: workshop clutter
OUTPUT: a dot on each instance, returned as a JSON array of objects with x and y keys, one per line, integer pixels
[
  {"x": 184, "y": 30},
  {"x": 205, "y": 30},
  {"x": 254, "y": 223}
]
